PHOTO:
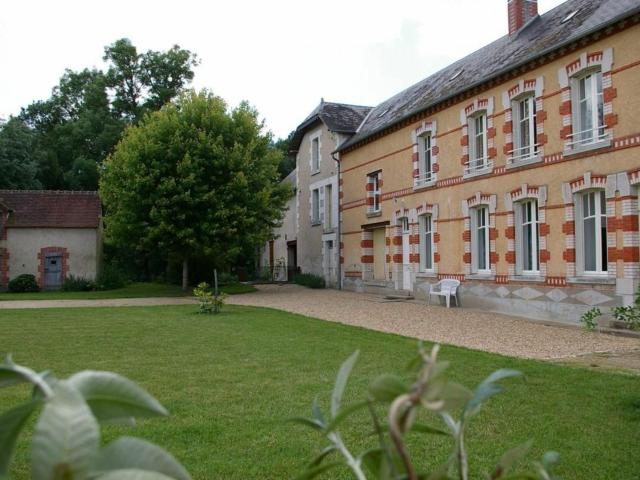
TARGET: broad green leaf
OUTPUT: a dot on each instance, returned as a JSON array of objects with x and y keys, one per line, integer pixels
[
  {"x": 307, "y": 422},
  {"x": 113, "y": 397},
  {"x": 341, "y": 382},
  {"x": 454, "y": 396},
  {"x": 311, "y": 472},
  {"x": 386, "y": 388},
  {"x": 509, "y": 459},
  {"x": 13, "y": 374},
  {"x": 376, "y": 463},
  {"x": 128, "y": 453},
  {"x": 420, "y": 428},
  {"x": 322, "y": 455},
  {"x": 66, "y": 437},
  {"x": 132, "y": 474},
  {"x": 488, "y": 388},
  {"x": 11, "y": 423},
  {"x": 344, "y": 413},
  {"x": 47, "y": 377}
]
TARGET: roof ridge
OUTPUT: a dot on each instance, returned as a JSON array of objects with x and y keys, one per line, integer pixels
[{"x": 55, "y": 192}]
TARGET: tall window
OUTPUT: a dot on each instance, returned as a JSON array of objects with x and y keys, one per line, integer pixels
[
  {"x": 524, "y": 128},
  {"x": 527, "y": 237},
  {"x": 328, "y": 206},
  {"x": 477, "y": 142},
  {"x": 480, "y": 261},
  {"x": 593, "y": 219},
  {"x": 315, "y": 206},
  {"x": 315, "y": 154},
  {"x": 374, "y": 191},
  {"x": 426, "y": 174},
  {"x": 426, "y": 242},
  {"x": 589, "y": 116}
]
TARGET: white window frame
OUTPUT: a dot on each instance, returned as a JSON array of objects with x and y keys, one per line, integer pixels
[
  {"x": 315, "y": 154},
  {"x": 522, "y": 153},
  {"x": 328, "y": 206},
  {"x": 376, "y": 192},
  {"x": 425, "y": 222},
  {"x": 477, "y": 164},
  {"x": 600, "y": 219},
  {"x": 582, "y": 135},
  {"x": 315, "y": 206},
  {"x": 426, "y": 175},
  {"x": 523, "y": 222},
  {"x": 479, "y": 229}
]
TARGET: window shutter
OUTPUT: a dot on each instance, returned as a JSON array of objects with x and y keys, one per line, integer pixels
[
  {"x": 515, "y": 125},
  {"x": 421, "y": 227},
  {"x": 518, "y": 239},
  {"x": 321, "y": 204},
  {"x": 579, "y": 235},
  {"x": 575, "y": 113}
]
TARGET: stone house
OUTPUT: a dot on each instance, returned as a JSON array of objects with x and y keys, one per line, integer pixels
[
  {"x": 49, "y": 234},
  {"x": 515, "y": 170},
  {"x": 313, "y": 247}
]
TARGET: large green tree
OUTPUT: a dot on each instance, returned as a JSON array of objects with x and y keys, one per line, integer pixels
[
  {"x": 19, "y": 156},
  {"x": 194, "y": 180}
]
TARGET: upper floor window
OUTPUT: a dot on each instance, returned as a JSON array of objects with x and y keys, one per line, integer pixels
[
  {"x": 426, "y": 242},
  {"x": 480, "y": 259},
  {"x": 328, "y": 206},
  {"x": 374, "y": 192},
  {"x": 315, "y": 206},
  {"x": 426, "y": 173},
  {"x": 315, "y": 154},
  {"x": 591, "y": 232},
  {"x": 527, "y": 238},
  {"x": 588, "y": 109},
  {"x": 524, "y": 129},
  {"x": 477, "y": 130}
]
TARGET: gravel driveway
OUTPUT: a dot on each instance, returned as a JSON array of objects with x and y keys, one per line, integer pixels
[{"x": 463, "y": 327}]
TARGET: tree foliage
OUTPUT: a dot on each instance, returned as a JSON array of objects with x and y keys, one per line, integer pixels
[
  {"x": 19, "y": 156},
  {"x": 194, "y": 179},
  {"x": 288, "y": 163}
]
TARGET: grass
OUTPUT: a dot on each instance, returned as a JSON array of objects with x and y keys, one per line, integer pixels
[
  {"x": 231, "y": 380},
  {"x": 134, "y": 290}
]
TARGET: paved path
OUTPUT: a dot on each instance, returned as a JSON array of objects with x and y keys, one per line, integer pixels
[
  {"x": 463, "y": 327},
  {"x": 111, "y": 302}
]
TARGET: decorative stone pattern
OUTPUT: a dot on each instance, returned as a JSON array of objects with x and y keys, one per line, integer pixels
[
  {"x": 601, "y": 60},
  {"x": 369, "y": 187},
  {"x": 477, "y": 106},
  {"x": 366, "y": 258}
]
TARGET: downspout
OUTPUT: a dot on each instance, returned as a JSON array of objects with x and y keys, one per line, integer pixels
[{"x": 339, "y": 269}]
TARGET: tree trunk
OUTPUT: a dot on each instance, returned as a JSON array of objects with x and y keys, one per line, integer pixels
[{"x": 185, "y": 274}]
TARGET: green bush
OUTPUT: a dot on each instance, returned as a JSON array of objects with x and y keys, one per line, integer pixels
[
  {"x": 208, "y": 302},
  {"x": 24, "y": 283},
  {"x": 111, "y": 277},
  {"x": 309, "y": 280},
  {"x": 630, "y": 314},
  {"x": 590, "y": 318},
  {"x": 78, "y": 284},
  {"x": 226, "y": 278}
]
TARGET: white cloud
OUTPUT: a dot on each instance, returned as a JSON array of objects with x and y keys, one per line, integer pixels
[{"x": 282, "y": 56}]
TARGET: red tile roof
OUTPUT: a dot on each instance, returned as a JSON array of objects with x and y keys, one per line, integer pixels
[{"x": 51, "y": 208}]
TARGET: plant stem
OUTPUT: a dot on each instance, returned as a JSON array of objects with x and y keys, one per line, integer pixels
[{"x": 352, "y": 462}]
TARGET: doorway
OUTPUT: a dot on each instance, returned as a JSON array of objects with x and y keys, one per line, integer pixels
[{"x": 53, "y": 271}]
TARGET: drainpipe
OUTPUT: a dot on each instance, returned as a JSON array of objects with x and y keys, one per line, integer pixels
[{"x": 339, "y": 235}]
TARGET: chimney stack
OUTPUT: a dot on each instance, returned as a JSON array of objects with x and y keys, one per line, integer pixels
[{"x": 520, "y": 13}]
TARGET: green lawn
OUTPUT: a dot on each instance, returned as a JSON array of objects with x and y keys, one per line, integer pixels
[
  {"x": 134, "y": 290},
  {"x": 230, "y": 381}
]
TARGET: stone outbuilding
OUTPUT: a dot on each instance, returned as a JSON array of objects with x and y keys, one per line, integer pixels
[{"x": 49, "y": 234}]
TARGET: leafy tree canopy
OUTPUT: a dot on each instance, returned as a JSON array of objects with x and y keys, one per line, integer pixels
[
  {"x": 288, "y": 163},
  {"x": 18, "y": 156},
  {"x": 194, "y": 179}
]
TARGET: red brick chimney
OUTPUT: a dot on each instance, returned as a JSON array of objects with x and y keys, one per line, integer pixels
[{"x": 520, "y": 13}]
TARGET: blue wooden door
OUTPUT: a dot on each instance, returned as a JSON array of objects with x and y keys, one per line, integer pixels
[{"x": 53, "y": 271}]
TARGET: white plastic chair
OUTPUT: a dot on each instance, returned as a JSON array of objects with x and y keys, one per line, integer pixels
[{"x": 447, "y": 288}]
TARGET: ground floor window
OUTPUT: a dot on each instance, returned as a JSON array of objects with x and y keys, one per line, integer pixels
[
  {"x": 426, "y": 243},
  {"x": 480, "y": 261},
  {"x": 527, "y": 237},
  {"x": 591, "y": 241}
]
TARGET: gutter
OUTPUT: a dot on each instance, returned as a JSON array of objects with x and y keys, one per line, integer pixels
[
  {"x": 485, "y": 80},
  {"x": 339, "y": 269}
]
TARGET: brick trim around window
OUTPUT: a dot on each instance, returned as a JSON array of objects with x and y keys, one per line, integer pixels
[
  {"x": 42, "y": 255},
  {"x": 478, "y": 105},
  {"x": 477, "y": 200},
  {"x": 431, "y": 129}
]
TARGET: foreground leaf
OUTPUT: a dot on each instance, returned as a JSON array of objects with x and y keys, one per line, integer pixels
[
  {"x": 509, "y": 459},
  {"x": 132, "y": 475},
  {"x": 386, "y": 388},
  {"x": 322, "y": 455},
  {"x": 341, "y": 382},
  {"x": 488, "y": 388},
  {"x": 315, "y": 471},
  {"x": 128, "y": 453},
  {"x": 113, "y": 397},
  {"x": 307, "y": 422},
  {"x": 66, "y": 437},
  {"x": 11, "y": 423},
  {"x": 344, "y": 413},
  {"x": 13, "y": 374}
]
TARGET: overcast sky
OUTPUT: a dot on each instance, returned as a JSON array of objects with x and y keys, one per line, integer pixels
[{"x": 280, "y": 55}]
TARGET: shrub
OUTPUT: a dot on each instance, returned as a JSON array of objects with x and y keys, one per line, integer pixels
[
  {"x": 78, "y": 284},
  {"x": 431, "y": 395},
  {"x": 24, "y": 283},
  {"x": 66, "y": 438},
  {"x": 111, "y": 277},
  {"x": 590, "y": 318},
  {"x": 208, "y": 302},
  {"x": 309, "y": 280},
  {"x": 226, "y": 278}
]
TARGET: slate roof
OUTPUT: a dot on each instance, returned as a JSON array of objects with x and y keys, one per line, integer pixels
[
  {"x": 338, "y": 117},
  {"x": 543, "y": 34},
  {"x": 51, "y": 208}
]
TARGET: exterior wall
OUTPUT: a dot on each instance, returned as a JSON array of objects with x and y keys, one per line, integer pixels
[
  {"x": 25, "y": 244},
  {"x": 282, "y": 235},
  {"x": 312, "y": 238},
  {"x": 558, "y": 293}
]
